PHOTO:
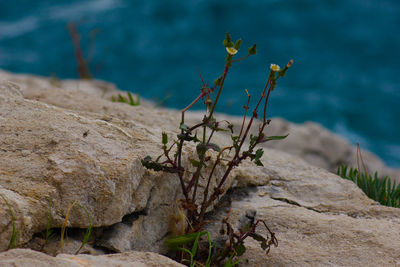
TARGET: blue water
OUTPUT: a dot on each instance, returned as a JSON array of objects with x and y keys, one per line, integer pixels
[{"x": 347, "y": 61}]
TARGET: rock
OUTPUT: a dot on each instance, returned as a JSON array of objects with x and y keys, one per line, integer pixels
[
  {"x": 55, "y": 156},
  {"x": 102, "y": 171},
  {"x": 63, "y": 142},
  {"x": 310, "y": 141},
  {"x": 71, "y": 245},
  {"x": 30, "y": 258},
  {"x": 319, "y": 219}
]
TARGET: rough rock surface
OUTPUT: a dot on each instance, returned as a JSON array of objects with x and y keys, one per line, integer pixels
[
  {"x": 66, "y": 141},
  {"x": 319, "y": 218},
  {"x": 46, "y": 155},
  {"x": 310, "y": 141},
  {"x": 64, "y": 155},
  {"x": 30, "y": 258}
]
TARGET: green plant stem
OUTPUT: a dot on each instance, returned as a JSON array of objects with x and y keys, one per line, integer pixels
[
  {"x": 244, "y": 116},
  {"x": 219, "y": 91}
]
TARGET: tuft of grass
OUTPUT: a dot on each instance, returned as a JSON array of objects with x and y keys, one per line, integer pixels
[
  {"x": 178, "y": 243},
  {"x": 49, "y": 232},
  {"x": 88, "y": 232},
  {"x": 381, "y": 190},
  {"x": 128, "y": 100},
  {"x": 14, "y": 235},
  {"x": 64, "y": 226}
]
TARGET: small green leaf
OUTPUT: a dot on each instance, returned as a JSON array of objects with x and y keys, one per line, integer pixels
[
  {"x": 214, "y": 147},
  {"x": 269, "y": 138},
  {"x": 238, "y": 44},
  {"x": 194, "y": 162},
  {"x": 264, "y": 245},
  {"x": 218, "y": 81},
  {"x": 121, "y": 98},
  {"x": 253, "y": 50},
  {"x": 174, "y": 242},
  {"x": 164, "y": 138},
  {"x": 195, "y": 139},
  {"x": 201, "y": 149},
  {"x": 195, "y": 244},
  {"x": 186, "y": 137},
  {"x": 257, "y": 237},
  {"x": 151, "y": 165},
  {"x": 240, "y": 250},
  {"x": 131, "y": 101},
  {"x": 253, "y": 139},
  {"x": 259, "y": 153},
  {"x": 228, "y": 41},
  {"x": 258, "y": 162}
]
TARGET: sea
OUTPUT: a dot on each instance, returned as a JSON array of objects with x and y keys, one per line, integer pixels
[{"x": 345, "y": 76}]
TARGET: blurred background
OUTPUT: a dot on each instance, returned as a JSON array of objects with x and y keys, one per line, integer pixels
[{"x": 346, "y": 74}]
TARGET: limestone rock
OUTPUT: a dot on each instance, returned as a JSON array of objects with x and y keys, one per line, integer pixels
[
  {"x": 65, "y": 141},
  {"x": 319, "y": 219},
  {"x": 310, "y": 141},
  {"x": 53, "y": 156},
  {"x": 51, "y": 153},
  {"x": 30, "y": 258}
]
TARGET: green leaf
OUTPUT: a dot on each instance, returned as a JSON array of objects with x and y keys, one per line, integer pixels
[
  {"x": 258, "y": 162},
  {"x": 264, "y": 245},
  {"x": 218, "y": 81},
  {"x": 228, "y": 41},
  {"x": 253, "y": 139},
  {"x": 259, "y": 153},
  {"x": 194, "y": 162},
  {"x": 176, "y": 241},
  {"x": 131, "y": 101},
  {"x": 186, "y": 137},
  {"x": 201, "y": 149},
  {"x": 151, "y": 165},
  {"x": 257, "y": 237},
  {"x": 240, "y": 250},
  {"x": 214, "y": 147},
  {"x": 164, "y": 138},
  {"x": 277, "y": 137},
  {"x": 253, "y": 49},
  {"x": 121, "y": 98},
  {"x": 238, "y": 44},
  {"x": 196, "y": 243}
]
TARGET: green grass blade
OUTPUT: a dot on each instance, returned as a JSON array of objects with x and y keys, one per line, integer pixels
[
  {"x": 88, "y": 232},
  {"x": 131, "y": 101},
  {"x": 14, "y": 234}
]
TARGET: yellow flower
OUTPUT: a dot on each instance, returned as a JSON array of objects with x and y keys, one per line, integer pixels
[
  {"x": 275, "y": 67},
  {"x": 231, "y": 51}
]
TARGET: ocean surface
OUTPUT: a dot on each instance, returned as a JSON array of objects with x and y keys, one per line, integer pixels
[{"x": 346, "y": 74}]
